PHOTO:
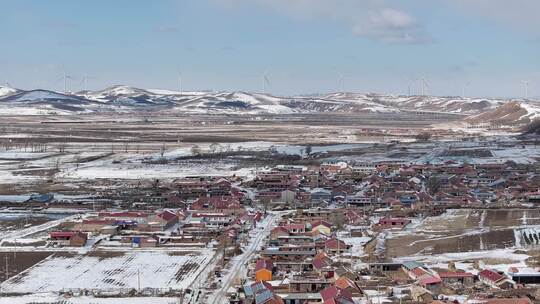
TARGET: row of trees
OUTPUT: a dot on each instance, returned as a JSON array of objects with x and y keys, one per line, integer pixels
[{"x": 216, "y": 148}]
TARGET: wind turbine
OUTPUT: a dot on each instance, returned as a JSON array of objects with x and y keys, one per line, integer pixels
[
  {"x": 410, "y": 82},
  {"x": 84, "y": 81},
  {"x": 65, "y": 77},
  {"x": 464, "y": 88},
  {"x": 341, "y": 84},
  {"x": 265, "y": 81},
  {"x": 424, "y": 85},
  {"x": 526, "y": 86}
]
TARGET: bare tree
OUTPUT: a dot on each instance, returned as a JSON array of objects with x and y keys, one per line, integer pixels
[
  {"x": 214, "y": 147},
  {"x": 162, "y": 150},
  {"x": 196, "y": 150},
  {"x": 424, "y": 136},
  {"x": 308, "y": 150}
]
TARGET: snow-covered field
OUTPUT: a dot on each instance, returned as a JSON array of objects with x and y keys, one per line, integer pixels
[
  {"x": 44, "y": 298},
  {"x": 111, "y": 271},
  {"x": 498, "y": 259}
]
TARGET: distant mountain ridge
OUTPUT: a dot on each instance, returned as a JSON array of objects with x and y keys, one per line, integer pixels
[{"x": 122, "y": 98}]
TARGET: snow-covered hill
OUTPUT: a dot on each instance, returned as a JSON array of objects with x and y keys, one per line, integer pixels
[
  {"x": 126, "y": 98},
  {"x": 6, "y": 91},
  {"x": 514, "y": 112}
]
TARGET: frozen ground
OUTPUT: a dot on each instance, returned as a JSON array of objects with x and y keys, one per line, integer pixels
[
  {"x": 52, "y": 298},
  {"x": 499, "y": 259},
  {"x": 111, "y": 271}
]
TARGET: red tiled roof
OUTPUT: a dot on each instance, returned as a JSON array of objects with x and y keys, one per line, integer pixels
[
  {"x": 167, "y": 215},
  {"x": 280, "y": 229},
  {"x": 320, "y": 262},
  {"x": 429, "y": 280},
  {"x": 333, "y": 293},
  {"x": 67, "y": 234},
  {"x": 490, "y": 275},
  {"x": 508, "y": 301},
  {"x": 264, "y": 264},
  {"x": 443, "y": 275},
  {"x": 295, "y": 226},
  {"x": 321, "y": 222},
  {"x": 61, "y": 234},
  {"x": 335, "y": 244},
  {"x": 418, "y": 272},
  {"x": 344, "y": 283}
]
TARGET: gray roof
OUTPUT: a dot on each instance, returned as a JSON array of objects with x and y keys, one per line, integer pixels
[
  {"x": 412, "y": 265},
  {"x": 263, "y": 296},
  {"x": 254, "y": 288},
  {"x": 283, "y": 252},
  {"x": 301, "y": 296}
]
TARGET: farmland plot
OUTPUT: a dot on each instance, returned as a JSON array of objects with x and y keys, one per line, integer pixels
[
  {"x": 111, "y": 271},
  {"x": 462, "y": 230}
]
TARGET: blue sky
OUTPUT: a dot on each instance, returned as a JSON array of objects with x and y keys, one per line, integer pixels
[{"x": 306, "y": 46}]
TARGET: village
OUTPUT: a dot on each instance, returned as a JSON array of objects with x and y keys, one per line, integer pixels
[{"x": 370, "y": 232}]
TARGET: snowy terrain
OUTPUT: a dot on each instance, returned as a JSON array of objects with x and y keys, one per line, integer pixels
[
  {"x": 125, "y": 99},
  {"x": 117, "y": 271},
  {"x": 6, "y": 91},
  {"x": 509, "y": 113}
]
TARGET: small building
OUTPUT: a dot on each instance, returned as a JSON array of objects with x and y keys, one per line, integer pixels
[
  {"x": 278, "y": 232},
  {"x": 524, "y": 275},
  {"x": 334, "y": 245},
  {"x": 299, "y": 298},
  {"x": 349, "y": 285},
  {"x": 288, "y": 196},
  {"x": 250, "y": 290},
  {"x": 398, "y": 222},
  {"x": 148, "y": 241},
  {"x": 288, "y": 266},
  {"x": 263, "y": 270},
  {"x": 384, "y": 267},
  {"x": 456, "y": 277},
  {"x": 358, "y": 200},
  {"x": 295, "y": 228},
  {"x": 321, "y": 195},
  {"x": 334, "y": 294},
  {"x": 300, "y": 284},
  {"x": 321, "y": 226},
  {"x": 268, "y": 297},
  {"x": 69, "y": 238},
  {"x": 433, "y": 284},
  {"x": 495, "y": 280},
  {"x": 279, "y": 255}
]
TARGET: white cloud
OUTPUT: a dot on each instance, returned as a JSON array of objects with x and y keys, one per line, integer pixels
[
  {"x": 373, "y": 19},
  {"x": 391, "y": 26}
]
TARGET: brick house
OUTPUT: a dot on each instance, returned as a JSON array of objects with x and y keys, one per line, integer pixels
[{"x": 69, "y": 238}]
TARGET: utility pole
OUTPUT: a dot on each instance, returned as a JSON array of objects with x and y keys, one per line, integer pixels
[
  {"x": 7, "y": 268},
  {"x": 378, "y": 294},
  {"x": 139, "y": 280}
]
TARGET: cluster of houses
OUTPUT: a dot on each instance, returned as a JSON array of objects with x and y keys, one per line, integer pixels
[
  {"x": 397, "y": 185},
  {"x": 305, "y": 262},
  {"x": 301, "y": 263},
  {"x": 218, "y": 214},
  {"x": 306, "y": 258}
]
